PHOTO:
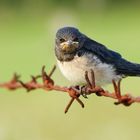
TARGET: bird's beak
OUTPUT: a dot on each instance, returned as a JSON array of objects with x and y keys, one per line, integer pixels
[{"x": 69, "y": 46}]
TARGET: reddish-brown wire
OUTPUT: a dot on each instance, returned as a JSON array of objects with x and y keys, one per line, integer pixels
[{"x": 49, "y": 84}]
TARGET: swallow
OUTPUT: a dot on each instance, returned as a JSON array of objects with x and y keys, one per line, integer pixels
[{"x": 76, "y": 53}]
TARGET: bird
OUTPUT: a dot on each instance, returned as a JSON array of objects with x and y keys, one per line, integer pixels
[{"x": 76, "y": 53}]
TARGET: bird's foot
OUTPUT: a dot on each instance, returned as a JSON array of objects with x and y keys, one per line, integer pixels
[
  {"x": 125, "y": 99},
  {"x": 89, "y": 88},
  {"x": 80, "y": 89},
  {"x": 91, "y": 85}
]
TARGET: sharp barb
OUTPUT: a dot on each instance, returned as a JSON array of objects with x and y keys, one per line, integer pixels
[
  {"x": 38, "y": 76},
  {"x": 33, "y": 78},
  {"x": 24, "y": 85},
  {"x": 43, "y": 69},
  {"x": 15, "y": 77},
  {"x": 44, "y": 74},
  {"x": 80, "y": 102},
  {"x": 69, "y": 105},
  {"x": 52, "y": 71}
]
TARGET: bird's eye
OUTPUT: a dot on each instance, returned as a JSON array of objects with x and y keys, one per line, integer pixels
[
  {"x": 62, "y": 40},
  {"x": 75, "y": 39}
]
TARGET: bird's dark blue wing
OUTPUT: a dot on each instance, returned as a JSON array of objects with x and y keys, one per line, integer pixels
[
  {"x": 121, "y": 65},
  {"x": 103, "y": 53}
]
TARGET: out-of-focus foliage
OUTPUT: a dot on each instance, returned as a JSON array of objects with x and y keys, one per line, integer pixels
[{"x": 67, "y": 3}]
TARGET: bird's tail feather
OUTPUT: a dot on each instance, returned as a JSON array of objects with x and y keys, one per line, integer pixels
[{"x": 128, "y": 68}]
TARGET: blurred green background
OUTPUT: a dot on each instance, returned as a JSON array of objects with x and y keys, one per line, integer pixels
[{"x": 27, "y": 33}]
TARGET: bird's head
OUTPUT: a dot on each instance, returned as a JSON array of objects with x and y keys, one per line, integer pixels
[{"x": 68, "y": 39}]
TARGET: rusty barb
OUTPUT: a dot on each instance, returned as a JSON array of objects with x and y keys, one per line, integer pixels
[{"x": 74, "y": 92}]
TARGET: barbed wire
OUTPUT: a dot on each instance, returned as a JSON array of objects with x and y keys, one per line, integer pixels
[{"x": 48, "y": 84}]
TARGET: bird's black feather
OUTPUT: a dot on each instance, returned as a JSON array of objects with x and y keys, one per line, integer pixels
[
  {"x": 103, "y": 53},
  {"x": 121, "y": 65},
  {"x": 127, "y": 68}
]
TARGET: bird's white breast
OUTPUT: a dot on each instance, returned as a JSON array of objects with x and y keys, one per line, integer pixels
[{"x": 74, "y": 70}]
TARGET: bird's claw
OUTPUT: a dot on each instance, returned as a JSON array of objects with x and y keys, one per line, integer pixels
[
  {"x": 84, "y": 95},
  {"x": 81, "y": 90},
  {"x": 126, "y": 100}
]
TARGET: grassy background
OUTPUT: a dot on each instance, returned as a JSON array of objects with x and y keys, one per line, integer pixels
[{"x": 27, "y": 42}]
